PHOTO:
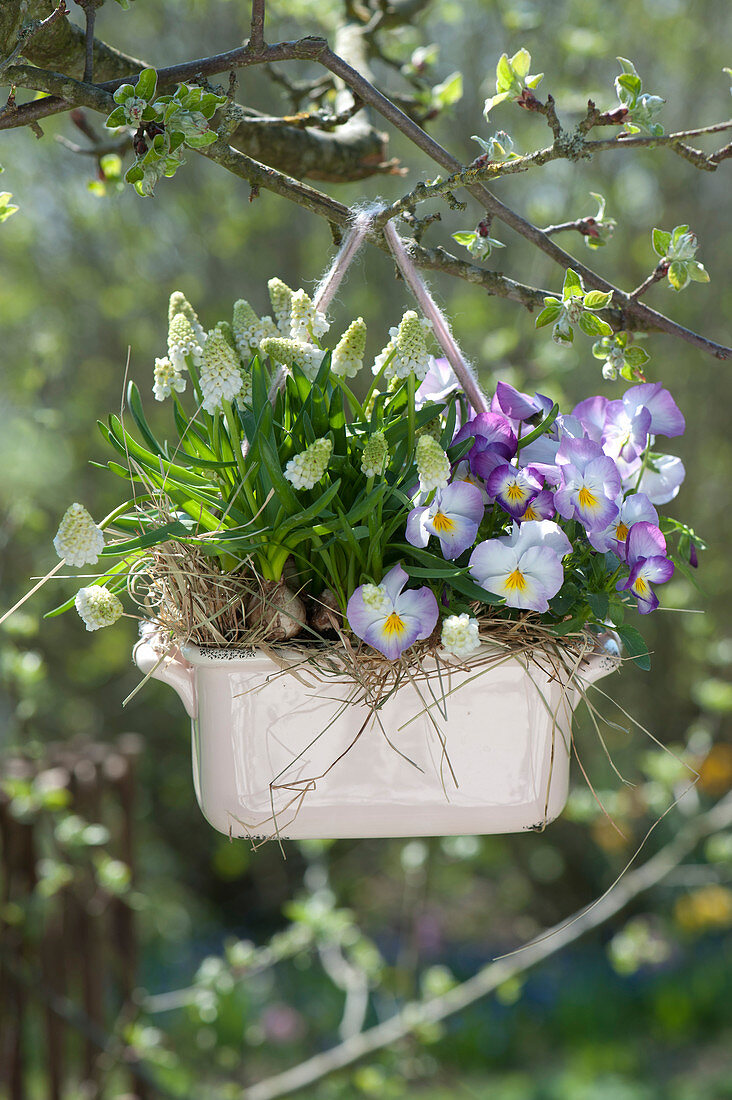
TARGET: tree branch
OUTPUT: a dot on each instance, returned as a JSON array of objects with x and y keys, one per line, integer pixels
[
  {"x": 256, "y": 33},
  {"x": 421, "y": 1013},
  {"x": 29, "y": 30}
]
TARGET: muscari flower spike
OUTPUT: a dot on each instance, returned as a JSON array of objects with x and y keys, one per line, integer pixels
[
  {"x": 411, "y": 355},
  {"x": 433, "y": 465},
  {"x": 288, "y": 352},
  {"x": 460, "y": 635},
  {"x": 221, "y": 376},
  {"x": 389, "y": 619},
  {"x": 179, "y": 304},
  {"x": 79, "y": 541},
  {"x": 98, "y": 607},
  {"x": 249, "y": 329},
  {"x": 306, "y": 322},
  {"x": 347, "y": 358},
  {"x": 375, "y": 455},
  {"x": 280, "y": 296},
  {"x": 182, "y": 341},
  {"x": 166, "y": 379},
  {"x": 305, "y": 470}
]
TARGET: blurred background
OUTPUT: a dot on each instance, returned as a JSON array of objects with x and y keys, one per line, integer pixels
[{"x": 217, "y": 965}]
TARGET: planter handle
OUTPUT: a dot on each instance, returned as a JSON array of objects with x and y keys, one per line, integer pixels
[{"x": 172, "y": 668}]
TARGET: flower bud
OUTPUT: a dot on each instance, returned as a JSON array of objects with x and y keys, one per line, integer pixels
[
  {"x": 433, "y": 465},
  {"x": 375, "y": 455},
  {"x": 347, "y": 357},
  {"x": 79, "y": 541}
]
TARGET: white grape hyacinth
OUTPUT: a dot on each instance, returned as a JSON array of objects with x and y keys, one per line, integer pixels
[
  {"x": 221, "y": 377},
  {"x": 182, "y": 341},
  {"x": 249, "y": 329},
  {"x": 280, "y": 296},
  {"x": 166, "y": 379},
  {"x": 305, "y": 470},
  {"x": 79, "y": 541},
  {"x": 460, "y": 635},
  {"x": 433, "y": 465},
  {"x": 347, "y": 358},
  {"x": 179, "y": 304},
  {"x": 98, "y": 607},
  {"x": 306, "y": 322},
  {"x": 375, "y": 455},
  {"x": 288, "y": 352}
]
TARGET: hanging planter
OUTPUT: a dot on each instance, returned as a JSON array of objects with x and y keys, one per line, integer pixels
[
  {"x": 297, "y": 749},
  {"x": 379, "y": 611}
]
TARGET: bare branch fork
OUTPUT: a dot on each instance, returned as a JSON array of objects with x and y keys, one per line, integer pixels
[{"x": 626, "y": 311}]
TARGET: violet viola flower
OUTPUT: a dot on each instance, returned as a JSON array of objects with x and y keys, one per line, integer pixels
[
  {"x": 636, "y": 508},
  {"x": 389, "y": 619},
  {"x": 495, "y": 442},
  {"x": 524, "y": 567},
  {"x": 438, "y": 383},
  {"x": 590, "y": 484},
  {"x": 625, "y": 433},
  {"x": 454, "y": 516},
  {"x": 519, "y": 406},
  {"x": 541, "y": 507},
  {"x": 666, "y": 417},
  {"x": 661, "y": 479},
  {"x": 514, "y": 489},
  {"x": 646, "y": 552}
]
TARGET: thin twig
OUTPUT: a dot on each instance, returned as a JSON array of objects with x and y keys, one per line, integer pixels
[
  {"x": 256, "y": 34},
  {"x": 659, "y": 272},
  {"x": 30, "y": 30}
]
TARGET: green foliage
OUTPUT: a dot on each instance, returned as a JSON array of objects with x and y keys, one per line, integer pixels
[
  {"x": 164, "y": 126},
  {"x": 575, "y": 307},
  {"x": 7, "y": 208},
  {"x": 639, "y": 107},
  {"x": 677, "y": 250},
  {"x": 512, "y": 79}
]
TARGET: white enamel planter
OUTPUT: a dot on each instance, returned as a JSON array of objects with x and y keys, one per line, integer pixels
[{"x": 279, "y": 753}]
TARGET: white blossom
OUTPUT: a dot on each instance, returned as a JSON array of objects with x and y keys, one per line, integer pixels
[
  {"x": 305, "y": 470},
  {"x": 375, "y": 455},
  {"x": 288, "y": 352},
  {"x": 166, "y": 379},
  {"x": 306, "y": 322},
  {"x": 180, "y": 304},
  {"x": 433, "y": 465},
  {"x": 280, "y": 296},
  {"x": 249, "y": 329},
  {"x": 411, "y": 355},
  {"x": 221, "y": 376},
  {"x": 460, "y": 635},
  {"x": 79, "y": 541},
  {"x": 98, "y": 607},
  {"x": 347, "y": 358},
  {"x": 182, "y": 341}
]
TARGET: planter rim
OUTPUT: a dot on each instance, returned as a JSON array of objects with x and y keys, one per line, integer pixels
[{"x": 605, "y": 654}]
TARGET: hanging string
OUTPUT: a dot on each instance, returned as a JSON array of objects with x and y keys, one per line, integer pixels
[
  {"x": 362, "y": 222},
  {"x": 354, "y": 238},
  {"x": 440, "y": 325}
]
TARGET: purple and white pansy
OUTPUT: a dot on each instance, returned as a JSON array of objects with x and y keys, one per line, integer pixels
[
  {"x": 646, "y": 554},
  {"x": 454, "y": 516},
  {"x": 390, "y": 619},
  {"x": 504, "y": 507},
  {"x": 590, "y": 483},
  {"x": 525, "y": 567}
]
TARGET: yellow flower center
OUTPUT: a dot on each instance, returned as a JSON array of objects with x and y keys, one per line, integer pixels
[
  {"x": 515, "y": 492},
  {"x": 586, "y": 498},
  {"x": 621, "y": 532},
  {"x": 640, "y": 586},
  {"x": 515, "y": 582},
  {"x": 530, "y": 513},
  {"x": 394, "y": 625},
  {"x": 442, "y": 523}
]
